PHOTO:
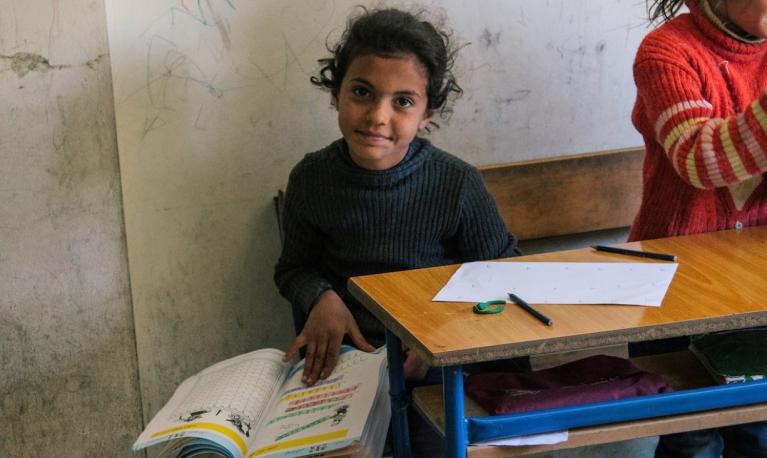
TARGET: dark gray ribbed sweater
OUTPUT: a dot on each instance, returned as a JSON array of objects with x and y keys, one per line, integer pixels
[{"x": 341, "y": 220}]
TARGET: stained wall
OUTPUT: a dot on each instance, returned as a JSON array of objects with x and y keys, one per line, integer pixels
[
  {"x": 68, "y": 368},
  {"x": 141, "y": 143}
]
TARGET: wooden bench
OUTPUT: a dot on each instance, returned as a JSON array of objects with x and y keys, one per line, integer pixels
[{"x": 567, "y": 197}]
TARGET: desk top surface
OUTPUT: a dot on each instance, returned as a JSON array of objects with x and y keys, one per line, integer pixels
[{"x": 721, "y": 283}]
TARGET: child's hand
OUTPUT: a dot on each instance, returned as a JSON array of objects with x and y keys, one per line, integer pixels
[
  {"x": 414, "y": 367},
  {"x": 328, "y": 322}
]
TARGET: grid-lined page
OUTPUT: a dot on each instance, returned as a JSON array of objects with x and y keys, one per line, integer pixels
[{"x": 236, "y": 392}]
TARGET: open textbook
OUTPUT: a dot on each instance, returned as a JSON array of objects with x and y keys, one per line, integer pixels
[{"x": 254, "y": 405}]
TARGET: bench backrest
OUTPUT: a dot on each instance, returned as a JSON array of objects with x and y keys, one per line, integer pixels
[{"x": 568, "y": 194}]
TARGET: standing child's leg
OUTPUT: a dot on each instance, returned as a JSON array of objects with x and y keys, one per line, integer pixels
[
  {"x": 706, "y": 443},
  {"x": 745, "y": 441}
]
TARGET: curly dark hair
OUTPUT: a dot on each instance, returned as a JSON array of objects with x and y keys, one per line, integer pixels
[
  {"x": 663, "y": 10},
  {"x": 392, "y": 32}
]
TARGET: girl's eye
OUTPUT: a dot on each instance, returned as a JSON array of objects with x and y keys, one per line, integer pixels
[
  {"x": 404, "y": 102},
  {"x": 360, "y": 91}
]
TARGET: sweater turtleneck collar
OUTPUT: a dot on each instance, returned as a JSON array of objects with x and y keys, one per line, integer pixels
[
  {"x": 418, "y": 152},
  {"x": 722, "y": 39},
  {"x": 708, "y": 10}
]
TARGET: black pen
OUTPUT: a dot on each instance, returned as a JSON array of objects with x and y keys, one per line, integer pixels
[
  {"x": 643, "y": 254},
  {"x": 518, "y": 300}
]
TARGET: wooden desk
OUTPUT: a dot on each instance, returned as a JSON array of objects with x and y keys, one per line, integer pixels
[{"x": 720, "y": 284}]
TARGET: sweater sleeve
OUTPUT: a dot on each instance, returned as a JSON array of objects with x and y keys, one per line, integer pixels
[
  {"x": 297, "y": 273},
  {"x": 705, "y": 151},
  {"x": 482, "y": 234}
]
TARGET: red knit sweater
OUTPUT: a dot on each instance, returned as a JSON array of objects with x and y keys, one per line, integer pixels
[{"x": 702, "y": 111}]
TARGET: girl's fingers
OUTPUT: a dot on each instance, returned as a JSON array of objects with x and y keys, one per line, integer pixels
[
  {"x": 358, "y": 339},
  {"x": 309, "y": 362},
  {"x": 318, "y": 362},
  {"x": 298, "y": 342},
  {"x": 332, "y": 359}
]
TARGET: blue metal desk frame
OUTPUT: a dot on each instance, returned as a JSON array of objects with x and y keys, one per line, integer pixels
[{"x": 461, "y": 430}]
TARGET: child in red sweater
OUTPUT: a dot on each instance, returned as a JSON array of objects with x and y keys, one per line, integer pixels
[
  {"x": 702, "y": 111},
  {"x": 701, "y": 104}
]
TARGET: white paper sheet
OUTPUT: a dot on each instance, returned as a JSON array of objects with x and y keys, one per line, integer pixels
[
  {"x": 532, "y": 439},
  {"x": 561, "y": 282}
]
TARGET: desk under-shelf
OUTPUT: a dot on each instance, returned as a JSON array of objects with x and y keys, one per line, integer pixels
[{"x": 719, "y": 285}]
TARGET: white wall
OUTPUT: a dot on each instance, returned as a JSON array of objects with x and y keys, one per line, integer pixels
[
  {"x": 68, "y": 371},
  {"x": 214, "y": 106}
]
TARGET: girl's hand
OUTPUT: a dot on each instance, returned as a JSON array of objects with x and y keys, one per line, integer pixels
[
  {"x": 414, "y": 367},
  {"x": 328, "y": 322}
]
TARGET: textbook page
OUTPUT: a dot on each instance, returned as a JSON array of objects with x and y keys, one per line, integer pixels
[
  {"x": 329, "y": 415},
  {"x": 627, "y": 283},
  {"x": 223, "y": 403}
]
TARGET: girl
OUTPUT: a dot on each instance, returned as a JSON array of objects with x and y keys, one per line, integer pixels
[
  {"x": 701, "y": 104},
  {"x": 379, "y": 199},
  {"x": 702, "y": 110}
]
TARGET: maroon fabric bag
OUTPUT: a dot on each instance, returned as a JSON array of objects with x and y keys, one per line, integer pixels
[{"x": 596, "y": 378}]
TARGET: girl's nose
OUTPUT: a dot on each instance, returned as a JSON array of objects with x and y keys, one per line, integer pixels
[{"x": 378, "y": 113}]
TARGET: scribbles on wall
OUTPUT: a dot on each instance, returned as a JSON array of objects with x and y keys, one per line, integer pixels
[
  {"x": 214, "y": 106},
  {"x": 200, "y": 60},
  {"x": 171, "y": 72}
]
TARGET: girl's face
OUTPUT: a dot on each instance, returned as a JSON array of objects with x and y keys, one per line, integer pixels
[
  {"x": 381, "y": 106},
  {"x": 749, "y": 15}
]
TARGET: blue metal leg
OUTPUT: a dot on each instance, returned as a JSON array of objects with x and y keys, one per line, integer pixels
[
  {"x": 399, "y": 398},
  {"x": 456, "y": 430}
]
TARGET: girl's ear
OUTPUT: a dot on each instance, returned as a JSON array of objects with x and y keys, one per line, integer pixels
[
  {"x": 427, "y": 118},
  {"x": 334, "y": 98}
]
